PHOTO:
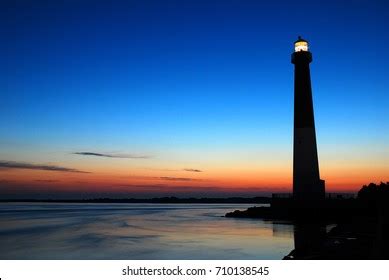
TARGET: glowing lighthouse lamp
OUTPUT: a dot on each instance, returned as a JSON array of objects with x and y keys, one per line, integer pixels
[{"x": 300, "y": 45}]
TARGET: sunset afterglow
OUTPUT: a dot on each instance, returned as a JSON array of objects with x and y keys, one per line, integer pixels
[{"x": 137, "y": 100}]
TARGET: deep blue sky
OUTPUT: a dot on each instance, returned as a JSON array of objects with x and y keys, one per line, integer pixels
[{"x": 203, "y": 77}]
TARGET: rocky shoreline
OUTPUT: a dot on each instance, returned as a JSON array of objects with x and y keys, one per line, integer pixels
[
  {"x": 359, "y": 237},
  {"x": 361, "y": 230}
]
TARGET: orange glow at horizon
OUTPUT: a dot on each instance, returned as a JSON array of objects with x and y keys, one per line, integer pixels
[{"x": 242, "y": 180}]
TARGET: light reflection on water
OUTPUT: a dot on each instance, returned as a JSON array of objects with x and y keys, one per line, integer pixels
[{"x": 137, "y": 231}]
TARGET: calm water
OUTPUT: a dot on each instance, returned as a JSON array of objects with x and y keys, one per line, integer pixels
[{"x": 137, "y": 231}]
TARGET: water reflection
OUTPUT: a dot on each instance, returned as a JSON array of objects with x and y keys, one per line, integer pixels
[
  {"x": 283, "y": 230},
  {"x": 309, "y": 239},
  {"x": 137, "y": 231}
]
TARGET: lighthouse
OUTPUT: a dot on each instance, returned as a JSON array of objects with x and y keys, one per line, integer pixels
[{"x": 307, "y": 185}]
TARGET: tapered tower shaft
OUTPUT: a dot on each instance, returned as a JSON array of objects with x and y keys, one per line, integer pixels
[{"x": 307, "y": 185}]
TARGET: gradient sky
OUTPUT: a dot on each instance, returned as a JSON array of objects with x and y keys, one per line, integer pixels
[{"x": 189, "y": 98}]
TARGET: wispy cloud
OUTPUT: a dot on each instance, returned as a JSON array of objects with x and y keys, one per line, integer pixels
[
  {"x": 168, "y": 178},
  {"x": 170, "y": 170},
  {"x": 178, "y": 179},
  {"x": 192, "y": 170},
  {"x": 111, "y": 155},
  {"x": 24, "y": 165},
  {"x": 47, "y": 181}
]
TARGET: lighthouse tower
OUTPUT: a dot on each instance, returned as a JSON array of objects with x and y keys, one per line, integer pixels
[{"x": 307, "y": 185}]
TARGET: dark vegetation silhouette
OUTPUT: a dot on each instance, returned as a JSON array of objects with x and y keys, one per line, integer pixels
[{"x": 373, "y": 193}]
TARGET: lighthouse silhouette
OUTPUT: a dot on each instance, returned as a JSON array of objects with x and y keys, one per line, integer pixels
[{"x": 307, "y": 186}]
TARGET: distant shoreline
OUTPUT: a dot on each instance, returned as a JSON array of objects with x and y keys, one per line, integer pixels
[{"x": 230, "y": 200}]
